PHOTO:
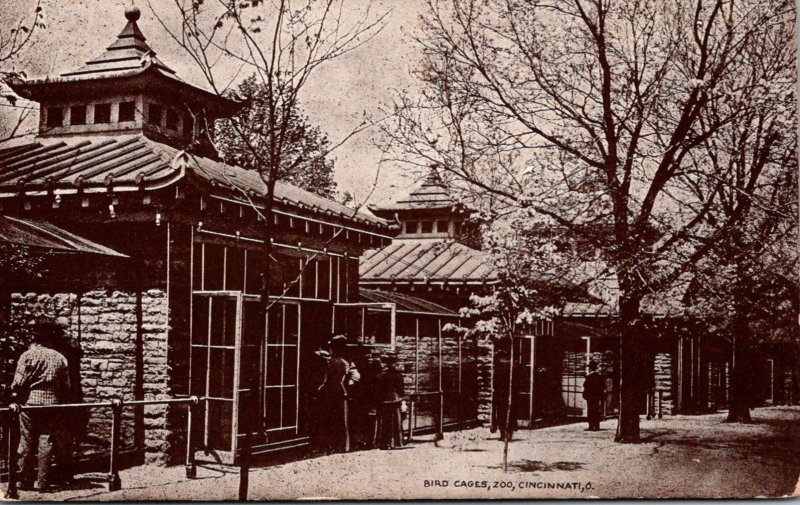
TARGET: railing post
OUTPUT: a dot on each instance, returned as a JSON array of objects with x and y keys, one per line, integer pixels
[
  {"x": 191, "y": 467},
  {"x": 412, "y": 417},
  {"x": 440, "y": 420},
  {"x": 12, "y": 440},
  {"x": 114, "y": 483}
]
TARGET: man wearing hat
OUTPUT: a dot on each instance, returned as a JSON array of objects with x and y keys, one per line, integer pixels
[
  {"x": 41, "y": 378},
  {"x": 593, "y": 391}
]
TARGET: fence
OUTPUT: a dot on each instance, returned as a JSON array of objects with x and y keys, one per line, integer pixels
[{"x": 10, "y": 434}]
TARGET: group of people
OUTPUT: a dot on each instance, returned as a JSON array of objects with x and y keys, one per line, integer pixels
[
  {"x": 47, "y": 373},
  {"x": 360, "y": 402}
]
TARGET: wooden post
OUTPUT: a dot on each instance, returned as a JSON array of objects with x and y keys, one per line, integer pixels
[
  {"x": 440, "y": 420},
  {"x": 439, "y": 428},
  {"x": 12, "y": 439},
  {"x": 114, "y": 483},
  {"x": 191, "y": 467}
]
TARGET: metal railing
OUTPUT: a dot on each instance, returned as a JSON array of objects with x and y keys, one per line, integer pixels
[
  {"x": 10, "y": 416},
  {"x": 414, "y": 399}
]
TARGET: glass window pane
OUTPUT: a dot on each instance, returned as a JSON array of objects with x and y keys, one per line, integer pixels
[
  {"x": 213, "y": 260},
  {"x": 221, "y": 377},
  {"x": 127, "y": 111},
  {"x": 223, "y": 321},
  {"x": 323, "y": 281},
  {"x": 275, "y": 324},
  {"x": 289, "y": 406},
  {"x": 291, "y": 326},
  {"x": 255, "y": 269},
  {"x": 272, "y": 407},
  {"x": 289, "y": 365},
  {"x": 234, "y": 269},
  {"x": 55, "y": 117},
  {"x": 220, "y": 416},
  {"x": 197, "y": 266},
  {"x": 200, "y": 319},
  {"x": 77, "y": 115},
  {"x": 199, "y": 366},
  {"x": 252, "y": 324},
  {"x": 274, "y": 365},
  {"x": 102, "y": 113}
]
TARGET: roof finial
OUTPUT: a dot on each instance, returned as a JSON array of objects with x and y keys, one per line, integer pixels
[{"x": 132, "y": 13}]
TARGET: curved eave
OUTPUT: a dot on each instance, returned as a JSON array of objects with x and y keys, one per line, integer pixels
[
  {"x": 147, "y": 184},
  {"x": 147, "y": 78}
]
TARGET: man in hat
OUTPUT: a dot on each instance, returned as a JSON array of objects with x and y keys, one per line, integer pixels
[
  {"x": 593, "y": 391},
  {"x": 41, "y": 378}
]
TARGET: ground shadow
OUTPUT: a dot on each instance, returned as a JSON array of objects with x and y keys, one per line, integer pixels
[{"x": 526, "y": 465}]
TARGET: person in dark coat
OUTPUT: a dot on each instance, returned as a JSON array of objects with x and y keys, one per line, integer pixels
[
  {"x": 593, "y": 391},
  {"x": 41, "y": 378},
  {"x": 501, "y": 420},
  {"x": 389, "y": 391},
  {"x": 333, "y": 434}
]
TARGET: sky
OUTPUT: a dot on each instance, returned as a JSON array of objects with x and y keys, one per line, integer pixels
[{"x": 336, "y": 98}]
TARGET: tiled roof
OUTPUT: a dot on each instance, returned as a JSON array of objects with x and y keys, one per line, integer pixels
[
  {"x": 41, "y": 235},
  {"x": 425, "y": 260},
  {"x": 429, "y": 194},
  {"x": 404, "y": 302},
  {"x": 134, "y": 162}
]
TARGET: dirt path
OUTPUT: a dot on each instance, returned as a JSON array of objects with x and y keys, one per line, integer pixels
[{"x": 688, "y": 456}]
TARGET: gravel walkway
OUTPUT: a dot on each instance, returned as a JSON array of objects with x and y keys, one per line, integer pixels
[{"x": 682, "y": 456}]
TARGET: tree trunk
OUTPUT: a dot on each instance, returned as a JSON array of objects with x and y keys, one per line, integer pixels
[
  {"x": 741, "y": 366},
  {"x": 741, "y": 359},
  {"x": 629, "y": 372}
]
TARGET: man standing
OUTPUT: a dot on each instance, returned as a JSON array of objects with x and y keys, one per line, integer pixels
[
  {"x": 593, "y": 391},
  {"x": 41, "y": 378}
]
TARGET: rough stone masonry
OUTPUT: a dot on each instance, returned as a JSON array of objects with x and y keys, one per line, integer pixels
[{"x": 124, "y": 356}]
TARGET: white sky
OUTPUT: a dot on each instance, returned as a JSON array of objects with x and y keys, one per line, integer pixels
[{"x": 340, "y": 93}]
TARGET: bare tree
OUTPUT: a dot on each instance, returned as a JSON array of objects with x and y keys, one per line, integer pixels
[
  {"x": 596, "y": 116},
  {"x": 283, "y": 44},
  {"x": 16, "y": 33}
]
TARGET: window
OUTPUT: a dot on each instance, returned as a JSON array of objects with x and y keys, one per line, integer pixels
[
  {"x": 173, "y": 120},
  {"x": 442, "y": 226},
  {"x": 77, "y": 115},
  {"x": 102, "y": 113},
  {"x": 411, "y": 227},
  {"x": 427, "y": 227},
  {"x": 55, "y": 117},
  {"x": 154, "y": 113},
  {"x": 127, "y": 112}
]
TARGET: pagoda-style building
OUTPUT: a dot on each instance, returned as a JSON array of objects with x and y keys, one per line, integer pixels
[
  {"x": 436, "y": 254},
  {"x": 163, "y": 301}
]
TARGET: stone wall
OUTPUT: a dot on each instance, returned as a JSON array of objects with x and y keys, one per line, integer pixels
[
  {"x": 662, "y": 368},
  {"x": 418, "y": 360},
  {"x": 123, "y": 341},
  {"x": 485, "y": 352}
]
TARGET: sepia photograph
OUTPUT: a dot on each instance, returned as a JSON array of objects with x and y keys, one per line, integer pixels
[{"x": 399, "y": 249}]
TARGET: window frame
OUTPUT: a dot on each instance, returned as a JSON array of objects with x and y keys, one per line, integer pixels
[
  {"x": 105, "y": 116},
  {"x": 83, "y": 113},
  {"x": 122, "y": 109}
]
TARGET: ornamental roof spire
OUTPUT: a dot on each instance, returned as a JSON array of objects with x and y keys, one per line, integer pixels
[{"x": 129, "y": 52}]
